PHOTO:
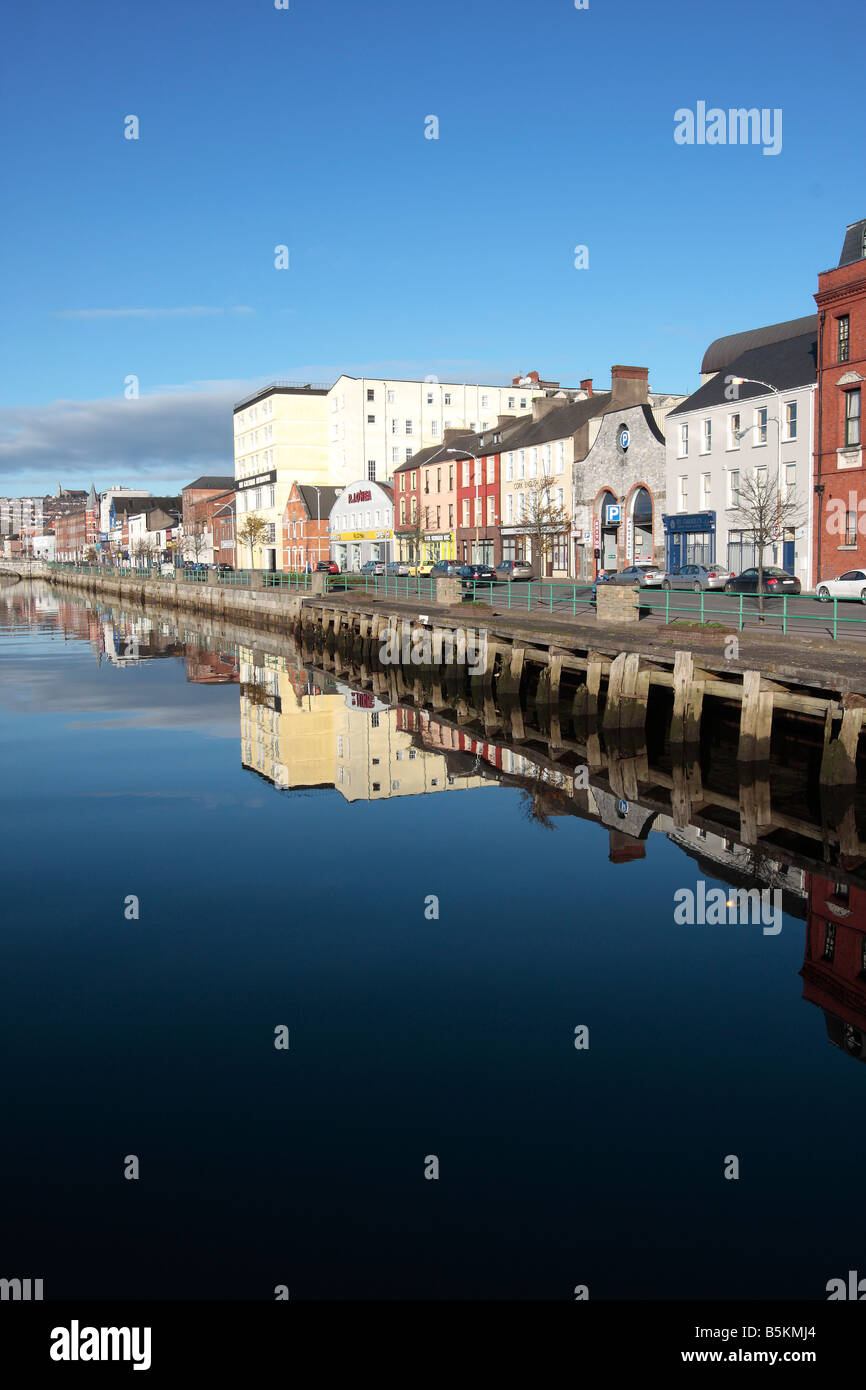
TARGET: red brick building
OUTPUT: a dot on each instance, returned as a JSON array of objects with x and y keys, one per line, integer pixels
[
  {"x": 840, "y": 477},
  {"x": 479, "y": 539},
  {"x": 77, "y": 531},
  {"x": 199, "y": 501},
  {"x": 306, "y": 534},
  {"x": 834, "y": 969}
]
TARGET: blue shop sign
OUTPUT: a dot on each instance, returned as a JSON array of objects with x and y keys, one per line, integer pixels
[{"x": 693, "y": 521}]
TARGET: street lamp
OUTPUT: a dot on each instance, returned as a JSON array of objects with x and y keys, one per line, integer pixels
[
  {"x": 461, "y": 452},
  {"x": 318, "y": 521}
]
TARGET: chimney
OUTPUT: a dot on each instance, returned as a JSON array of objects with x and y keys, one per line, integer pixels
[
  {"x": 542, "y": 405},
  {"x": 451, "y": 436},
  {"x": 586, "y": 385},
  {"x": 504, "y": 420},
  {"x": 629, "y": 386}
]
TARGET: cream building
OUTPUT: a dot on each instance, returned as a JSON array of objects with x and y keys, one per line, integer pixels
[{"x": 280, "y": 438}]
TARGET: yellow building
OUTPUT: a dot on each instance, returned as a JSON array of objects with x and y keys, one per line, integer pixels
[{"x": 280, "y": 438}]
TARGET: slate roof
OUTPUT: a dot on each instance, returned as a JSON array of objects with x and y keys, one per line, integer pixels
[
  {"x": 212, "y": 481},
  {"x": 852, "y": 246},
  {"x": 520, "y": 433},
  {"x": 722, "y": 352},
  {"x": 786, "y": 364},
  {"x": 329, "y": 496}
]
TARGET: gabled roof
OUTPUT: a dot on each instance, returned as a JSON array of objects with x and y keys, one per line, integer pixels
[
  {"x": 785, "y": 365},
  {"x": 328, "y": 496},
  {"x": 722, "y": 352}
]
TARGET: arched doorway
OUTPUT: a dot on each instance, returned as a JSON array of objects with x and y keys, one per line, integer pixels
[
  {"x": 608, "y": 531},
  {"x": 641, "y": 528}
]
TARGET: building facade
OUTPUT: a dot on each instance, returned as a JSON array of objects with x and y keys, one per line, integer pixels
[
  {"x": 839, "y": 474},
  {"x": 361, "y": 524},
  {"x": 306, "y": 526},
  {"x": 734, "y": 429}
]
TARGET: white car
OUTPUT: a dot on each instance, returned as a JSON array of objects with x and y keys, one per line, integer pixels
[{"x": 852, "y": 584}]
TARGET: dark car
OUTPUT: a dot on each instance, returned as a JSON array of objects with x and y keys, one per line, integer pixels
[
  {"x": 444, "y": 569},
  {"x": 477, "y": 572},
  {"x": 223, "y": 569},
  {"x": 327, "y": 567},
  {"x": 776, "y": 581}
]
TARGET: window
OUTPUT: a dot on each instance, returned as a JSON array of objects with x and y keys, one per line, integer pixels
[
  {"x": 447, "y": 398},
  {"x": 465, "y": 472},
  {"x": 390, "y": 397},
  {"x": 438, "y": 479},
  {"x": 477, "y": 511},
  {"x": 521, "y": 462},
  {"x": 465, "y": 511},
  {"x": 761, "y": 480},
  {"x": 491, "y": 468},
  {"x": 684, "y": 491},
  {"x": 429, "y": 397},
  {"x": 371, "y": 470},
  {"x": 414, "y": 479},
  {"x": 434, "y": 428},
  {"x": 491, "y": 513},
  {"x": 402, "y": 479},
  {"x": 706, "y": 436},
  {"x": 850, "y": 528},
  {"x": 852, "y": 417},
  {"x": 509, "y": 467},
  {"x": 790, "y": 419},
  {"x": 450, "y": 515},
  {"x": 426, "y": 479},
  {"x": 533, "y": 463},
  {"x": 395, "y": 458},
  {"x": 408, "y": 427},
  {"x": 560, "y": 456},
  {"x": 829, "y": 941},
  {"x": 522, "y": 402},
  {"x": 371, "y": 395},
  {"x": 371, "y": 419},
  {"x": 414, "y": 510},
  {"x": 844, "y": 339},
  {"x": 684, "y": 441},
  {"x": 510, "y": 402},
  {"x": 560, "y": 498},
  {"x": 734, "y": 431},
  {"x": 376, "y": 517},
  {"x": 408, "y": 456},
  {"x": 706, "y": 479},
  {"x": 394, "y": 429},
  {"x": 403, "y": 512},
  {"x": 483, "y": 402},
  {"x": 509, "y": 506},
  {"x": 761, "y": 424},
  {"x": 790, "y": 481}
]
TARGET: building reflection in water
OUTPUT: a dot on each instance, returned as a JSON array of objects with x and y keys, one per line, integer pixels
[{"x": 834, "y": 969}]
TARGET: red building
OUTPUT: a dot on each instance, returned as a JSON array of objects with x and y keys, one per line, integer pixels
[
  {"x": 840, "y": 477},
  {"x": 200, "y": 502},
  {"x": 306, "y": 531},
  {"x": 479, "y": 539},
  {"x": 77, "y": 531},
  {"x": 834, "y": 970}
]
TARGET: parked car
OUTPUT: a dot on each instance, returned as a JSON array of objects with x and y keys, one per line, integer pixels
[
  {"x": 851, "y": 584},
  {"x": 423, "y": 568},
  {"x": 477, "y": 572},
  {"x": 515, "y": 570},
  {"x": 776, "y": 581},
  {"x": 647, "y": 576},
  {"x": 372, "y": 567},
  {"x": 397, "y": 567},
  {"x": 444, "y": 569},
  {"x": 697, "y": 577},
  {"x": 223, "y": 569},
  {"x": 327, "y": 567}
]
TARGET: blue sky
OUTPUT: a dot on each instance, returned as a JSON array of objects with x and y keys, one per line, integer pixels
[{"x": 408, "y": 256}]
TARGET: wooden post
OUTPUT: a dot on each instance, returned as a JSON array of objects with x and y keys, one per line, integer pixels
[
  {"x": 839, "y": 760},
  {"x": 756, "y": 720}
]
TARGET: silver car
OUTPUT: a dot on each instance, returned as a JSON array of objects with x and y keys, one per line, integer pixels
[
  {"x": 515, "y": 569},
  {"x": 647, "y": 576},
  {"x": 699, "y": 578}
]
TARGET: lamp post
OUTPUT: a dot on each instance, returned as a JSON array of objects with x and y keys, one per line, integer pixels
[
  {"x": 318, "y": 522},
  {"x": 477, "y": 493}
]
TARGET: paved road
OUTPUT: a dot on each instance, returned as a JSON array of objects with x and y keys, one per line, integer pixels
[{"x": 804, "y": 614}]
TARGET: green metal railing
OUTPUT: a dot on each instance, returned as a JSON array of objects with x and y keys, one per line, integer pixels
[
  {"x": 383, "y": 585},
  {"x": 745, "y": 607}
]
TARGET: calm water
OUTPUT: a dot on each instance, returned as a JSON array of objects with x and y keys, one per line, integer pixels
[{"x": 282, "y": 835}]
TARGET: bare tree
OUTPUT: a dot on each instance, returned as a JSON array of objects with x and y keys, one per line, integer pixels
[
  {"x": 544, "y": 521},
  {"x": 763, "y": 512},
  {"x": 252, "y": 533},
  {"x": 195, "y": 540}
]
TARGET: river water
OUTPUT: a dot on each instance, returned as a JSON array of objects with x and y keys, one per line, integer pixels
[{"x": 210, "y": 850}]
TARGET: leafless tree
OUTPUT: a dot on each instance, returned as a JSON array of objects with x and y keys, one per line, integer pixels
[
  {"x": 544, "y": 521},
  {"x": 763, "y": 511}
]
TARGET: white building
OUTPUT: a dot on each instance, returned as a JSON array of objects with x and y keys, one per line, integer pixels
[
  {"x": 724, "y": 434},
  {"x": 362, "y": 524}
]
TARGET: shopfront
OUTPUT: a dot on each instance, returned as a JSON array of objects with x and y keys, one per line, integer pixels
[
  {"x": 361, "y": 525},
  {"x": 690, "y": 539}
]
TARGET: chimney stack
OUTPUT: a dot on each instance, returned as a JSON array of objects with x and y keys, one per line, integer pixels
[
  {"x": 586, "y": 385},
  {"x": 629, "y": 386},
  {"x": 542, "y": 405}
]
